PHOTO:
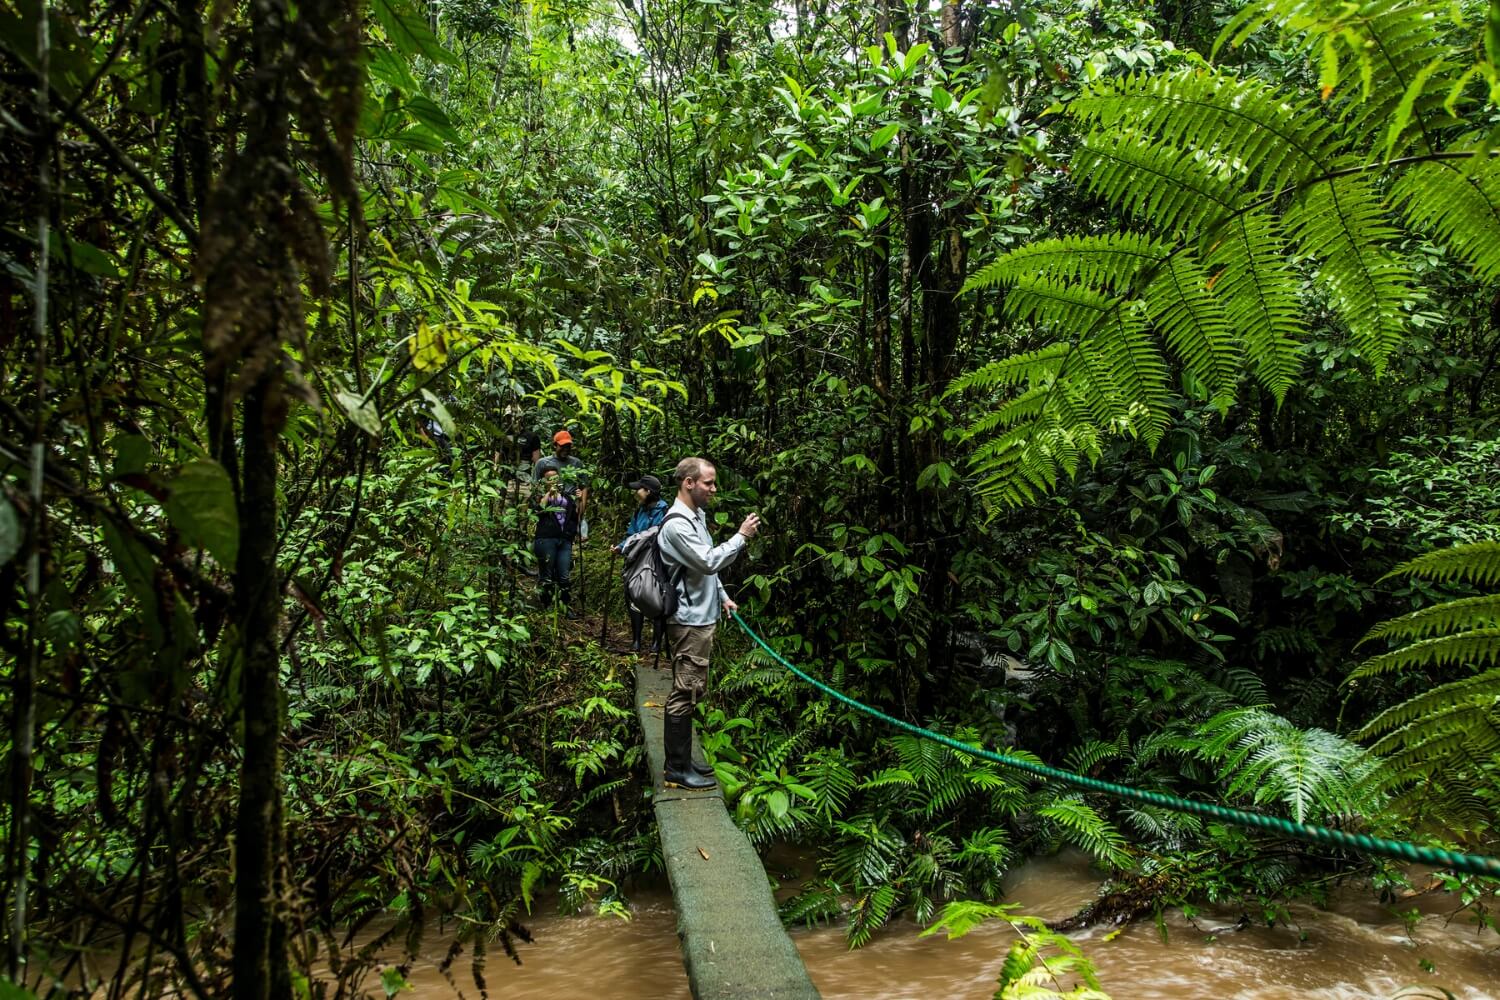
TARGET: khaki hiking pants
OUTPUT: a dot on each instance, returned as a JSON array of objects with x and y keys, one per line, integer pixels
[{"x": 691, "y": 647}]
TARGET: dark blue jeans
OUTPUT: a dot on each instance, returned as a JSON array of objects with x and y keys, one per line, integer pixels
[{"x": 554, "y": 558}]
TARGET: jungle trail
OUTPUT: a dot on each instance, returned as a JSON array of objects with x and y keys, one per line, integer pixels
[{"x": 1117, "y": 382}]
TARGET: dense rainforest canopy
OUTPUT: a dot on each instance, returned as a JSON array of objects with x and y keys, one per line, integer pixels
[{"x": 1106, "y": 372}]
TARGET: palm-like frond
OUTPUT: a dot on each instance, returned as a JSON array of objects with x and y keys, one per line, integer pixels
[
  {"x": 1225, "y": 181},
  {"x": 1258, "y": 289},
  {"x": 1477, "y": 563},
  {"x": 1450, "y": 616},
  {"x": 1445, "y": 741},
  {"x": 1265, "y": 757}
]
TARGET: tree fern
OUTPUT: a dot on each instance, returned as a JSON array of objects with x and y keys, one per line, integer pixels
[
  {"x": 1442, "y": 746},
  {"x": 1477, "y": 563},
  {"x": 1255, "y": 283},
  {"x": 1266, "y": 758},
  {"x": 1224, "y": 181}
]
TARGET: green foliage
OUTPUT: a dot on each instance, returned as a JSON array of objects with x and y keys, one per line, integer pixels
[
  {"x": 1231, "y": 177},
  {"x": 1442, "y": 746},
  {"x": 1042, "y": 963},
  {"x": 1317, "y": 775}
]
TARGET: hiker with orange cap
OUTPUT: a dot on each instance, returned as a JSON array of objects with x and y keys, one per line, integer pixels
[{"x": 573, "y": 482}]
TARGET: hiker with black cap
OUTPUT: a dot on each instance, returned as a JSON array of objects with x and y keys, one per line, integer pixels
[{"x": 648, "y": 514}]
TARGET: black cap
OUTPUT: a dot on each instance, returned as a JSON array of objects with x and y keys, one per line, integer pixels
[{"x": 649, "y": 483}]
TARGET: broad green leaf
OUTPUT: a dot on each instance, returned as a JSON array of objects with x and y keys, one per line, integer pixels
[
  {"x": 444, "y": 418},
  {"x": 777, "y": 802},
  {"x": 425, "y": 111},
  {"x": 11, "y": 533},
  {"x": 409, "y": 33},
  {"x": 914, "y": 56},
  {"x": 419, "y": 137},
  {"x": 390, "y": 68},
  {"x": 200, "y": 504},
  {"x": 362, "y": 412},
  {"x": 132, "y": 454},
  {"x": 884, "y": 135},
  {"x": 84, "y": 256},
  {"x": 135, "y": 566}
]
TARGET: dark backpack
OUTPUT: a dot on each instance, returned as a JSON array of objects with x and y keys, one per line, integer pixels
[{"x": 649, "y": 586}]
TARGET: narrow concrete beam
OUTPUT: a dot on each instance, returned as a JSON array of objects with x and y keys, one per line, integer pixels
[{"x": 733, "y": 944}]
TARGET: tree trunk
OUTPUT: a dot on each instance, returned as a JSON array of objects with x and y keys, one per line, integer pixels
[{"x": 257, "y": 595}]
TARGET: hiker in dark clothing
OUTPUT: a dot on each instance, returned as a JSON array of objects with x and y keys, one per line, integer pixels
[
  {"x": 556, "y": 524},
  {"x": 652, "y": 508}
]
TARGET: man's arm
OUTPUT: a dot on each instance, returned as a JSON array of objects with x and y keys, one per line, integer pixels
[{"x": 689, "y": 550}]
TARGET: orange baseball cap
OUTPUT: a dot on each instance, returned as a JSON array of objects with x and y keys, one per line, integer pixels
[{"x": 562, "y": 437}]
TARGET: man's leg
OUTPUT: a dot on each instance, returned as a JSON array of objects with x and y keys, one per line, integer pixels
[{"x": 691, "y": 647}]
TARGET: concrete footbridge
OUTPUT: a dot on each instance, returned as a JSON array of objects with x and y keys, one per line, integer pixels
[{"x": 733, "y": 944}]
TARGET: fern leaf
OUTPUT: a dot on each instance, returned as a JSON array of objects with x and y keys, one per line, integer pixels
[
  {"x": 1274, "y": 143},
  {"x": 1081, "y": 825},
  {"x": 1173, "y": 189},
  {"x": 1476, "y": 562},
  {"x": 1259, "y": 291},
  {"x": 1031, "y": 368},
  {"x": 1137, "y": 366},
  {"x": 1475, "y": 648},
  {"x": 1459, "y": 207},
  {"x": 1107, "y": 263},
  {"x": 1450, "y": 616},
  {"x": 1193, "y": 323},
  {"x": 1481, "y": 689},
  {"x": 1342, "y": 223}
]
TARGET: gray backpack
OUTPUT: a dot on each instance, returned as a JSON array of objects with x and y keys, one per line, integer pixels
[{"x": 649, "y": 587}]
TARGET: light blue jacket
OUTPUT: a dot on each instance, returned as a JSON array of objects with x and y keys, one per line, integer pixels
[{"x": 694, "y": 561}]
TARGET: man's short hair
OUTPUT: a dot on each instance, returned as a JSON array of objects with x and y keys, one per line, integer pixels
[{"x": 690, "y": 468}]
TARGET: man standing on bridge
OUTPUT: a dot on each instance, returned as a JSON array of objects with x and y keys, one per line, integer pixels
[{"x": 693, "y": 563}]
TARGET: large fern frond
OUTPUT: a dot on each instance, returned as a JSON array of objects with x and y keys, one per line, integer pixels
[
  {"x": 1265, "y": 757},
  {"x": 1272, "y": 142},
  {"x": 1344, "y": 225},
  {"x": 1259, "y": 290},
  {"x": 1466, "y": 613},
  {"x": 1458, "y": 203},
  {"x": 1444, "y": 741},
  {"x": 1477, "y": 563}
]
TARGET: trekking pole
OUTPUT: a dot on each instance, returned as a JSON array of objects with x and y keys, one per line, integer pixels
[
  {"x": 582, "y": 593},
  {"x": 608, "y": 592}
]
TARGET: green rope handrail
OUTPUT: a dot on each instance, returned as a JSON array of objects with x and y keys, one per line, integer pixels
[{"x": 1474, "y": 864}]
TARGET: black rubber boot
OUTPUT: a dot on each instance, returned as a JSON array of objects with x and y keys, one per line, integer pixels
[
  {"x": 637, "y": 626},
  {"x": 677, "y": 770}
]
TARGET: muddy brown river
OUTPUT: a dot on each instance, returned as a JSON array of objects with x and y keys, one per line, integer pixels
[{"x": 1354, "y": 949}]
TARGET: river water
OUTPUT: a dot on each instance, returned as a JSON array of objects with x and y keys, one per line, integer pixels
[{"x": 1353, "y": 950}]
